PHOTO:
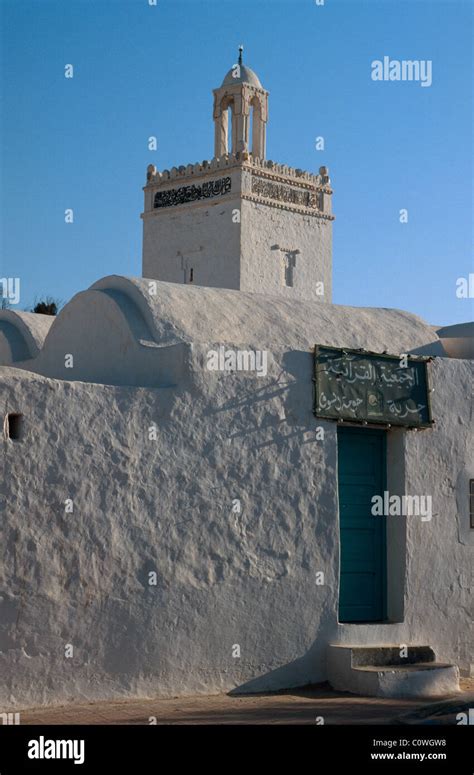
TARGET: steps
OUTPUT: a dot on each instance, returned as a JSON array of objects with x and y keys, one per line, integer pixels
[{"x": 380, "y": 671}]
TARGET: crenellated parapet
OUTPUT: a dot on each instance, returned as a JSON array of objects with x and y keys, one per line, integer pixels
[{"x": 156, "y": 177}]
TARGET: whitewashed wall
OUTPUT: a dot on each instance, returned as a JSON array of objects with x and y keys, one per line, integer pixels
[{"x": 165, "y": 505}]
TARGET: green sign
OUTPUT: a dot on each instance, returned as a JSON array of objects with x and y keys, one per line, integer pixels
[{"x": 359, "y": 386}]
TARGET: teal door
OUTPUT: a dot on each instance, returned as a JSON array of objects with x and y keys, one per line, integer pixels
[{"x": 361, "y": 475}]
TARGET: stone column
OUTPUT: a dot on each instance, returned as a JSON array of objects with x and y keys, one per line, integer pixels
[
  {"x": 235, "y": 130},
  {"x": 221, "y": 134},
  {"x": 258, "y": 134}
]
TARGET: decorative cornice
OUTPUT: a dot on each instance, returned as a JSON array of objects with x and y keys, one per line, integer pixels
[
  {"x": 291, "y": 181},
  {"x": 288, "y": 206}
]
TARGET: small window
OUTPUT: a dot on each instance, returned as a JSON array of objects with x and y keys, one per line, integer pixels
[
  {"x": 471, "y": 502},
  {"x": 14, "y": 426}
]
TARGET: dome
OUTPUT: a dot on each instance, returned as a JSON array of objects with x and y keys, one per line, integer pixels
[{"x": 246, "y": 76}]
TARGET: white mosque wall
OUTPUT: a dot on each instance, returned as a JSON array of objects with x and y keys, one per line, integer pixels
[{"x": 155, "y": 476}]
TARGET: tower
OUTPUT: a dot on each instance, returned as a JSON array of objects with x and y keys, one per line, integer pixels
[
  {"x": 239, "y": 220},
  {"x": 241, "y": 94}
]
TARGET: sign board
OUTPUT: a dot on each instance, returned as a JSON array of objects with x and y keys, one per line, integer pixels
[{"x": 365, "y": 387}]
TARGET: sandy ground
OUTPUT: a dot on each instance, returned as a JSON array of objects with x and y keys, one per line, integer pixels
[{"x": 297, "y": 706}]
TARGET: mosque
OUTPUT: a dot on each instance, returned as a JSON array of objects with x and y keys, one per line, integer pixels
[{"x": 172, "y": 527}]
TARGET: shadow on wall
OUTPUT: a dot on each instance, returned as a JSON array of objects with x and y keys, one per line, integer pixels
[
  {"x": 291, "y": 382},
  {"x": 310, "y": 668},
  {"x": 13, "y": 346},
  {"x": 434, "y": 348}
]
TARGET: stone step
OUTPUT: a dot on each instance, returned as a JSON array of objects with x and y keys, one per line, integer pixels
[
  {"x": 380, "y": 671},
  {"x": 390, "y": 655}
]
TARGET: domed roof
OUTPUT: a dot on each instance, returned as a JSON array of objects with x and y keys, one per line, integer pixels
[
  {"x": 246, "y": 76},
  {"x": 118, "y": 315}
]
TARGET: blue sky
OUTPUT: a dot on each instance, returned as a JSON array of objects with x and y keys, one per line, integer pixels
[{"x": 142, "y": 70}]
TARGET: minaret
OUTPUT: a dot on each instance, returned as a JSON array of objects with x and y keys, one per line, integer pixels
[
  {"x": 239, "y": 220},
  {"x": 243, "y": 96}
]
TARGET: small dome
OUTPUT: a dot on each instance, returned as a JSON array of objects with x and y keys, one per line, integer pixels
[{"x": 246, "y": 76}]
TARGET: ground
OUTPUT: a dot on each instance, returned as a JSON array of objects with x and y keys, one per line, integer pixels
[{"x": 297, "y": 706}]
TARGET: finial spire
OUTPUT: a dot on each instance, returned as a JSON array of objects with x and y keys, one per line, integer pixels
[{"x": 241, "y": 49}]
